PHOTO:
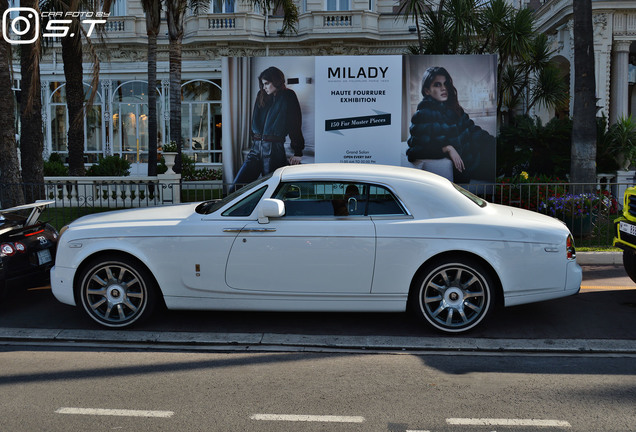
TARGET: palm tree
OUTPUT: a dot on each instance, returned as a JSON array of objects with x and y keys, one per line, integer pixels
[
  {"x": 74, "y": 75},
  {"x": 152, "y": 8},
  {"x": 31, "y": 137},
  {"x": 414, "y": 9},
  {"x": 12, "y": 194},
  {"x": 72, "y": 56},
  {"x": 175, "y": 12},
  {"x": 491, "y": 22},
  {"x": 480, "y": 27},
  {"x": 583, "y": 160}
]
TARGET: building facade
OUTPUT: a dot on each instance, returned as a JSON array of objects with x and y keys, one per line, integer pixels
[
  {"x": 117, "y": 121},
  {"x": 614, "y": 24}
]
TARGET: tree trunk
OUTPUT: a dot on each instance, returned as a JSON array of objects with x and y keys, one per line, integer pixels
[
  {"x": 583, "y": 162},
  {"x": 153, "y": 24},
  {"x": 175, "y": 10},
  {"x": 31, "y": 137},
  {"x": 175, "y": 99},
  {"x": 152, "y": 104},
  {"x": 74, "y": 74},
  {"x": 10, "y": 182}
]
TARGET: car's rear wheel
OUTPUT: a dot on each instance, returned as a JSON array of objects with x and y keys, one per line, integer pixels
[
  {"x": 453, "y": 296},
  {"x": 629, "y": 262},
  {"x": 117, "y": 292}
]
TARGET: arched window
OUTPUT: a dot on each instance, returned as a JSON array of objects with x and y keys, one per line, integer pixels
[
  {"x": 130, "y": 120},
  {"x": 58, "y": 123},
  {"x": 201, "y": 120}
]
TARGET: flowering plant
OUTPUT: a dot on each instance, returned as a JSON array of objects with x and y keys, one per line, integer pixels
[
  {"x": 570, "y": 205},
  {"x": 203, "y": 174},
  {"x": 171, "y": 147}
]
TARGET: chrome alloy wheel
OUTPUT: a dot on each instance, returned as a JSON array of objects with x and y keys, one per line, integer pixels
[
  {"x": 455, "y": 297},
  {"x": 114, "y": 293}
]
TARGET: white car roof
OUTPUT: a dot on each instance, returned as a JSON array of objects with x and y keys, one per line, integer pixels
[{"x": 361, "y": 172}]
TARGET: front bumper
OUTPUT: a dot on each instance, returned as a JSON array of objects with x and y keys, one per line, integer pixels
[
  {"x": 624, "y": 238},
  {"x": 62, "y": 284}
]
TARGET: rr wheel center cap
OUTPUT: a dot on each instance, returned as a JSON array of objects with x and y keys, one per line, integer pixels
[
  {"x": 116, "y": 294},
  {"x": 454, "y": 297}
]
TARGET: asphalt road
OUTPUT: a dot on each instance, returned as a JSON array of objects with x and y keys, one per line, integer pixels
[
  {"x": 63, "y": 390},
  {"x": 605, "y": 309}
]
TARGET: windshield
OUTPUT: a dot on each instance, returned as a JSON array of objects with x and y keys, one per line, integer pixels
[
  {"x": 208, "y": 207},
  {"x": 474, "y": 198}
]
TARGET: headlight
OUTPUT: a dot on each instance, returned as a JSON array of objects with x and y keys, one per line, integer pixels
[{"x": 64, "y": 228}]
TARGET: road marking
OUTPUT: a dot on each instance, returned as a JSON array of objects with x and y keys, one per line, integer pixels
[
  {"x": 606, "y": 288},
  {"x": 506, "y": 422},
  {"x": 308, "y": 418},
  {"x": 115, "y": 412}
]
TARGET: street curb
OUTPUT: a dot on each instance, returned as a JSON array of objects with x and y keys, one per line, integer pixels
[
  {"x": 295, "y": 342},
  {"x": 599, "y": 258}
]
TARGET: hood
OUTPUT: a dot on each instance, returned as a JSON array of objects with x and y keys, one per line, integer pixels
[{"x": 150, "y": 215}]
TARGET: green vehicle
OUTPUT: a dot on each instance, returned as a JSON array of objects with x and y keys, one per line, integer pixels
[{"x": 625, "y": 232}]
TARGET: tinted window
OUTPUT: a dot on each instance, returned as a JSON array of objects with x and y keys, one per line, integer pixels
[
  {"x": 383, "y": 202},
  {"x": 246, "y": 206},
  {"x": 337, "y": 199},
  {"x": 323, "y": 198},
  {"x": 212, "y": 206}
]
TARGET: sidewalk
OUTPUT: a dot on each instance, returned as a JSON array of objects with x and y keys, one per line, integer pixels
[
  {"x": 255, "y": 342},
  {"x": 599, "y": 258}
]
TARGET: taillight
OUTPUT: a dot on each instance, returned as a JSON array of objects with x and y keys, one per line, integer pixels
[
  {"x": 19, "y": 247},
  {"x": 7, "y": 249},
  {"x": 569, "y": 246}
]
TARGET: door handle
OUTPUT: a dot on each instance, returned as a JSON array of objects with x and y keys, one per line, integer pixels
[{"x": 237, "y": 230}]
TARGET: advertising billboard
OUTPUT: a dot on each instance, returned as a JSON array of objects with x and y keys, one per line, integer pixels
[{"x": 436, "y": 113}]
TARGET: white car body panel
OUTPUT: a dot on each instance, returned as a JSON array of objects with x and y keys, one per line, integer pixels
[
  {"x": 325, "y": 264},
  {"x": 276, "y": 261}
]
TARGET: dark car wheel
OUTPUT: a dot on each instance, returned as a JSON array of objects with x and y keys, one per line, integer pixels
[
  {"x": 629, "y": 262},
  {"x": 117, "y": 292},
  {"x": 453, "y": 295}
]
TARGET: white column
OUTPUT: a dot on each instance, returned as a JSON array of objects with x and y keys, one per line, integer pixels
[{"x": 619, "y": 86}]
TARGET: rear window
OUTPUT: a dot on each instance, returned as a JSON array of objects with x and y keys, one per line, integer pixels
[{"x": 474, "y": 198}]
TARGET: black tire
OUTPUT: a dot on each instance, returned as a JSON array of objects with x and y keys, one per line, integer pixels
[
  {"x": 116, "y": 291},
  {"x": 629, "y": 262},
  {"x": 453, "y": 296}
]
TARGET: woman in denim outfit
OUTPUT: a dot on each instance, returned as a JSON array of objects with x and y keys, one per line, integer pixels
[{"x": 276, "y": 115}]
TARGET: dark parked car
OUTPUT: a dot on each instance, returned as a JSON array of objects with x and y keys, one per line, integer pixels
[{"x": 27, "y": 247}]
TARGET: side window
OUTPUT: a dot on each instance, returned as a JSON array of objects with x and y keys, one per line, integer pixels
[
  {"x": 246, "y": 206},
  {"x": 338, "y": 5},
  {"x": 383, "y": 203},
  {"x": 323, "y": 198}
]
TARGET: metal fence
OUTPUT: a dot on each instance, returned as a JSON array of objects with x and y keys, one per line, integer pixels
[{"x": 589, "y": 210}]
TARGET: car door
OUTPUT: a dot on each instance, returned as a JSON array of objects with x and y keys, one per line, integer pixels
[{"x": 323, "y": 244}]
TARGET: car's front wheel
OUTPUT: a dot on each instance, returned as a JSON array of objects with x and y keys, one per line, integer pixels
[
  {"x": 629, "y": 262},
  {"x": 116, "y": 292},
  {"x": 453, "y": 295}
]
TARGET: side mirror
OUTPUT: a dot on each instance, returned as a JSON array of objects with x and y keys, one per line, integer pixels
[{"x": 270, "y": 208}]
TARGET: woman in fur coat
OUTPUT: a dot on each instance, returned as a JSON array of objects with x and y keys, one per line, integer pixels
[{"x": 441, "y": 129}]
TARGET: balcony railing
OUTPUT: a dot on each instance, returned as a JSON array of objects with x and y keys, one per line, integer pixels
[{"x": 246, "y": 25}]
